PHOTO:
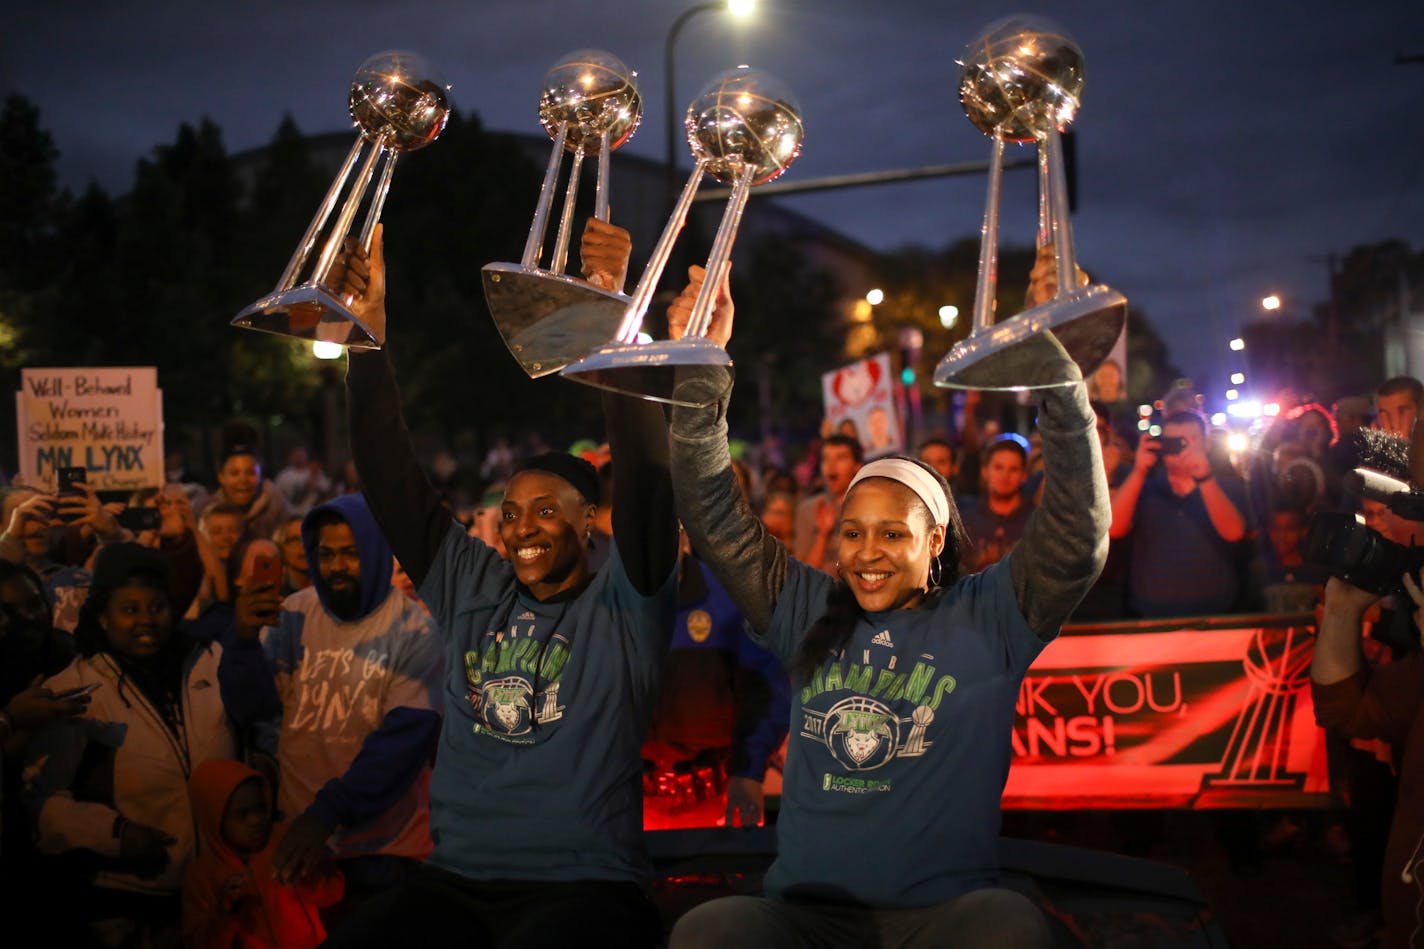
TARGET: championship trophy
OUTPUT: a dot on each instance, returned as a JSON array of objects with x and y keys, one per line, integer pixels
[
  {"x": 590, "y": 106},
  {"x": 1021, "y": 82},
  {"x": 744, "y": 129},
  {"x": 398, "y": 102}
]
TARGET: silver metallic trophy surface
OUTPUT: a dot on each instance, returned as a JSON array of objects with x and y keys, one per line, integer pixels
[
  {"x": 399, "y": 104},
  {"x": 744, "y": 129},
  {"x": 590, "y": 105},
  {"x": 1021, "y": 82}
]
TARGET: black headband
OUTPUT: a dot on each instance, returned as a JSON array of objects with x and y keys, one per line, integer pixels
[{"x": 571, "y": 468}]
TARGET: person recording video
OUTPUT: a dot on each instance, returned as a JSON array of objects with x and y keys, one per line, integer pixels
[{"x": 1359, "y": 700}]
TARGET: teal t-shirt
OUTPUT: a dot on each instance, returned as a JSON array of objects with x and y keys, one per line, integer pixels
[
  {"x": 539, "y": 775},
  {"x": 899, "y": 745}
]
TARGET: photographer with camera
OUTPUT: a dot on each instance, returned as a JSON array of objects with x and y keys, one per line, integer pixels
[
  {"x": 1182, "y": 520},
  {"x": 1377, "y": 563}
]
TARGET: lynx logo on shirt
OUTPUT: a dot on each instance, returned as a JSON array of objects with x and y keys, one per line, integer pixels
[
  {"x": 699, "y": 625},
  {"x": 863, "y": 734},
  {"x": 505, "y": 705},
  {"x": 861, "y": 730},
  {"x": 501, "y": 680}
]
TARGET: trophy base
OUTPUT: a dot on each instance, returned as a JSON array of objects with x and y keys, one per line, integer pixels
[
  {"x": 647, "y": 370},
  {"x": 1014, "y": 355},
  {"x": 549, "y": 320},
  {"x": 309, "y": 312}
]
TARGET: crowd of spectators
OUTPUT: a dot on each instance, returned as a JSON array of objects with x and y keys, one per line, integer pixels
[{"x": 264, "y": 619}]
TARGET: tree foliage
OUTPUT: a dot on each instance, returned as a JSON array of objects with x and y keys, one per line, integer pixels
[{"x": 154, "y": 276}]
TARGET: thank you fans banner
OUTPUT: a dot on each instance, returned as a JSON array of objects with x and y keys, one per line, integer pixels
[{"x": 1180, "y": 718}]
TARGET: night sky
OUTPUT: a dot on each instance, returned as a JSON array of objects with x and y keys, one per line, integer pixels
[{"x": 1225, "y": 148}]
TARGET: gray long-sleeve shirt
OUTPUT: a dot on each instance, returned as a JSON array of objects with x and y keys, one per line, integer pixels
[{"x": 918, "y": 703}]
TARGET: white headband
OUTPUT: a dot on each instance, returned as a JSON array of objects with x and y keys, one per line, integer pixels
[{"x": 912, "y": 476}]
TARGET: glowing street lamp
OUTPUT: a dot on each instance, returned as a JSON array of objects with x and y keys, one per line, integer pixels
[
  {"x": 1271, "y": 302},
  {"x": 948, "y": 316},
  {"x": 875, "y": 297},
  {"x": 1237, "y": 378},
  {"x": 737, "y": 8},
  {"x": 1237, "y": 344}
]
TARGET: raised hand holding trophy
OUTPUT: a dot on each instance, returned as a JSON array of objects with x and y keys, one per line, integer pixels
[
  {"x": 399, "y": 104},
  {"x": 1021, "y": 82},
  {"x": 590, "y": 105},
  {"x": 744, "y": 129}
]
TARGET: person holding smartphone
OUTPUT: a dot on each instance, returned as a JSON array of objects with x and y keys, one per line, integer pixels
[
  {"x": 349, "y": 669},
  {"x": 55, "y": 535},
  {"x": 162, "y": 518}
]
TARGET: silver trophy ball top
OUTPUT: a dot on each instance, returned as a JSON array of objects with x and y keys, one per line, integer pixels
[
  {"x": 1022, "y": 76},
  {"x": 745, "y": 117},
  {"x": 592, "y": 92},
  {"x": 398, "y": 99}
]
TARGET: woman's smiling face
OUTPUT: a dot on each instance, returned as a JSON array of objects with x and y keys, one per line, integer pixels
[
  {"x": 886, "y": 545},
  {"x": 137, "y": 620}
]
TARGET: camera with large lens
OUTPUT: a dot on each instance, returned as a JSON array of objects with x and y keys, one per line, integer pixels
[{"x": 1358, "y": 555}]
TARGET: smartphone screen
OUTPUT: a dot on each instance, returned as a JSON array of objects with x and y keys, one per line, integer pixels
[
  {"x": 266, "y": 570},
  {"x": 69, "y": 477}
]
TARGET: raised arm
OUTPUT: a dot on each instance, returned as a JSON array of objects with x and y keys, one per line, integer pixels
[
  {"x": 1065, "y": 542},
  {"x": 1125, "y": 497},
  {"x": 406, "y": 506},
  {"x": 747, "y": 560},
  {"x": 644, "y": 523}
]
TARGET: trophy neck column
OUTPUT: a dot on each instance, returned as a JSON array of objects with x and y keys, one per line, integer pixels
[
  {"x": 1063, "y": 249},
  {"x": 987, "y": 284},
  {"x": 534, "y": 246}
]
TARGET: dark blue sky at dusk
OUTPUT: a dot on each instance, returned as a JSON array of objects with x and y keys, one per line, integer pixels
[{"x": 1224, "y": 148}]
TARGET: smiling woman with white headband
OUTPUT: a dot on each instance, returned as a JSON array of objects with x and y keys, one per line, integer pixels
[{"x": 904, "y": 682}]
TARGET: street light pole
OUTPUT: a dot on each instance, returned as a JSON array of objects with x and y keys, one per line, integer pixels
[
  {"x": 669, "y": 94},
  {"x": 737, "y": 8}
]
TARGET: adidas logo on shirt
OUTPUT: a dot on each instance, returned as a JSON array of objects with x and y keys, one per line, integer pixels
[{"x": 882, "y": 638}]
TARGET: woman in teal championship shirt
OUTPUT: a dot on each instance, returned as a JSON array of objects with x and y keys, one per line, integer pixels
[{"x": 904, "y": 683}]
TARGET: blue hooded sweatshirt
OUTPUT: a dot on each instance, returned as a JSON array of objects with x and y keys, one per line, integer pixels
[{"x": 357, "y": 698}]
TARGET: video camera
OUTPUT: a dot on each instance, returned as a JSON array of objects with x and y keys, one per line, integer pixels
[{"x": 1358, "y": 555}]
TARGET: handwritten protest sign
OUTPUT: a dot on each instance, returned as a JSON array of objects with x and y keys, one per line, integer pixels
[{"x": 107, "y": 420}]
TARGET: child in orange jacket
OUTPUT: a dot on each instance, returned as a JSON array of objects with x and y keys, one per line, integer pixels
[{"x": 231, "y": 897}]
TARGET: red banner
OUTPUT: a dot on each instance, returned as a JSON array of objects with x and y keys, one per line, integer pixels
[{"x": 1138, "y": 715}]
